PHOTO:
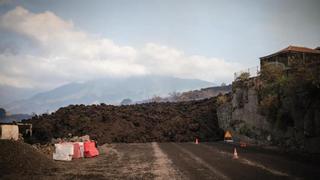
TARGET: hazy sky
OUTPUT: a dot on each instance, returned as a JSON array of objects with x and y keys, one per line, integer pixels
[{"x": 46, "y": 43}]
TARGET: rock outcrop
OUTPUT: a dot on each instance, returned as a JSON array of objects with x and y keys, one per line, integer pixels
[{"x": 295, "y": 123}]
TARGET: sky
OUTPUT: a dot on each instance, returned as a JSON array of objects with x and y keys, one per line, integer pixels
[{"x": 47, "y": 43}]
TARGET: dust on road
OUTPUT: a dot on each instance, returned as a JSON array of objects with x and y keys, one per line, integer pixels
[{"x": 163, "y": 167}]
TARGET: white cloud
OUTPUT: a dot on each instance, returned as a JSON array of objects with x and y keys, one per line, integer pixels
[{"x": 67, "y": 54}]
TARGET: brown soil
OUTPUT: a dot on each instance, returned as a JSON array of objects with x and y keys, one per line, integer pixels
[
  {"x": 17, "y": 158},
  {"x": 160, "y": 122}
]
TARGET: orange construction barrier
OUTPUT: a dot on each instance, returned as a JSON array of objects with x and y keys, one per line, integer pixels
[
  {"x": 76, "y": 151},
  {"x": 90, "y": 149}
]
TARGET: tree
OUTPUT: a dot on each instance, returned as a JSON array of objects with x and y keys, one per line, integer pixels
[
  {"x": 174, "y": 96},
  {"x": 2, "y": 113},
  {"x": 243, "y": 76},
  {"x": 126, "y": 101},
  {"x": 156, "y": 98}
]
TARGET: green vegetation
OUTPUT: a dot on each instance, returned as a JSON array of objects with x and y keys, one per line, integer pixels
[
  {"x": 241, "y": 81},
  {"x": 285, "y": 96},
  {"x": 245, "y": 130},
  {"x": 223, "y": 98},
  {"x": 243, "y": 76}
]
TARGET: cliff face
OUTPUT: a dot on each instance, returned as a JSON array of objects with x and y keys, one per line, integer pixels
[
  {"x": 241, "y": 116},
  {"x": 224, "y": 113},
  {"x": 302, "y": 112},
  {"x": 289, "y": 119},
  {"x": 245, "y": 108}
]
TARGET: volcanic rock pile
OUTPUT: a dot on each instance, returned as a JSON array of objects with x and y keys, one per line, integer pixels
[
  {"x": 18, "y": 158},
  {"x": 161, "y": 122}
]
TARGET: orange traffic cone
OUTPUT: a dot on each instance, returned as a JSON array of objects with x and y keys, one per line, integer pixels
[
  {"x": 197, "y": 141},
  {"x": 235, "y": 154}
]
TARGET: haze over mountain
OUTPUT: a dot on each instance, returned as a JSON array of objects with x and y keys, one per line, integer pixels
[
  {"x": 106, "y": 90},
  {"x": 9, "y": 94}
]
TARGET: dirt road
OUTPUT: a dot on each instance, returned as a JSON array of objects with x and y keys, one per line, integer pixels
[{"x": 184, "y": 161}]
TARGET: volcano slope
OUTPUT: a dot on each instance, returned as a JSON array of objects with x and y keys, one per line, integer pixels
[{"x": 159, "y": 122}]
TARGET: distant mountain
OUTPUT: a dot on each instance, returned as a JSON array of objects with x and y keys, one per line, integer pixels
[
  {"x": 107, "y": 90},
  {"x": 192, "y": 95},
  {"x": 204, "y": 93},
  {"x": 15, "y": 117},
  {"x": 7, "y": 118},
  {"x": 9, "y": 94}
]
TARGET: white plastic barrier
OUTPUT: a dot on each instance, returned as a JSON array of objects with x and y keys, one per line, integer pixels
[
  {"x": 63, "y": 152},
  {"x": 81, "y": 149}
]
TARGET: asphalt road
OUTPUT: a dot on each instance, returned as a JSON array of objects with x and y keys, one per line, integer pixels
[{"x": 215, "y": 161}]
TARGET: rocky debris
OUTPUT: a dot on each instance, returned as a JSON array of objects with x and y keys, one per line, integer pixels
[
  {"x": 80, "y": 139},
  {"x": 180, "y": 121},
  {"x": 71, "y": 139},
  {"x": 46, "y": 149},
  {"x": 21, "y": 158}
]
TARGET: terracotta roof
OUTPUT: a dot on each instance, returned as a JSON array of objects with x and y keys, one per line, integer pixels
[{"x": 294, "y": 49}]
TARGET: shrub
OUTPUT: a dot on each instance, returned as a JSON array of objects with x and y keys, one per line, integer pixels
[
  {"x": 243, "y": 76},
  {"x": 245, "y": 130},
  {"x": 222, "y": 99}
]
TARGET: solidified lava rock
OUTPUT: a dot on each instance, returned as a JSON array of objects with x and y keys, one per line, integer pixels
[
  {"x": 21, "y": 158},
  {"x": 161, "y": 122}
]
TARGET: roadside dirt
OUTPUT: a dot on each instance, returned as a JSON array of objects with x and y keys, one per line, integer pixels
[
  {"x": 19, "y": 159},
  {"x": 117, "y": 161},
  {"x": 114, "y": 162}
]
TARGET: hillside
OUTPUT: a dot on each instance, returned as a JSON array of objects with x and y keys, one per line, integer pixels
[
  {"x": 108, "y": 90},
  {"x": 192, "y": 95},
  {"x": 183, "y": 121},
  {"x": 15, "y": 117},
  {"x": 5, "y": 117}
]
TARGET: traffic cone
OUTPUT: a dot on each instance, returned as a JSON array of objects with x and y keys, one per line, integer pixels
[
  {"x": 197, "y": 141},
  {"x": 235, "y": 154}
]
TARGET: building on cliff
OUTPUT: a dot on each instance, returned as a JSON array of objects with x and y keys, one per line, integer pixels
[
  {"x": 291, "y": 56},
  {"x": 260, "y": 112},
  {"x": 288, "y": 59}
]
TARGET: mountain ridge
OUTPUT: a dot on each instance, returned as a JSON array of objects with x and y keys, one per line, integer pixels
[{"x": 104, "y": 90}]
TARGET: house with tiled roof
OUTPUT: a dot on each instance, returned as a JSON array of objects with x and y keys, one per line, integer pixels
[{"x": 291, "y": 56}]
